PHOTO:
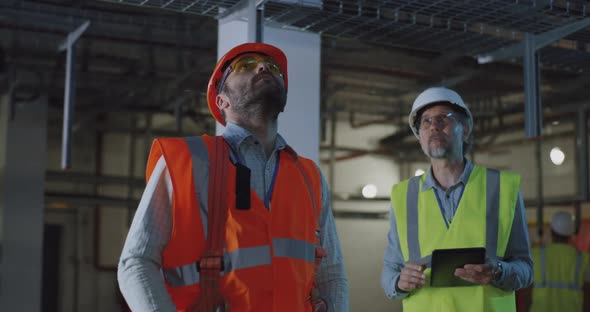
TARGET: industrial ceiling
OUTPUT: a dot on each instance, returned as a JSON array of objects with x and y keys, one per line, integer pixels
[{"x": 155, "y": 56}]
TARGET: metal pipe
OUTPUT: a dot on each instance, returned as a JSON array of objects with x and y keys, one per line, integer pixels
[
  {"x": 578, "y": 214},
  {"x": 69, "y": 45},
  {"x": 78, "y": 259},
  {"x": 83, "y": 200},
  {"x": 148, "y": 136},
  {"x": 88, "y": 178},
  {"x": 532, "y": 108},
  {"x": 252, "y": 21},
  {"x": 582, "y": 153},
  {"x": 94, "y": 210},
  {"x": 178, "y": 114},
  {"x": 131, "y": 170},
  {"x": 539, "y": 187},
  {"x": 69, "y": 95},
  {"x": 333, "y": 119},
  {"x": 260, "y": 24}
]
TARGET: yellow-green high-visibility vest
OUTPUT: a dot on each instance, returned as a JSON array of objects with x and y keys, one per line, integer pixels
[
  {"x": 483, "y": 219},
  {"x": 559, "y": 277}
]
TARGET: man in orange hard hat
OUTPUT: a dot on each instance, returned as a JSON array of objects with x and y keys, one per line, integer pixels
[
  {"x": 238, "y": 221},
  {"x": 562, "y": 273}
]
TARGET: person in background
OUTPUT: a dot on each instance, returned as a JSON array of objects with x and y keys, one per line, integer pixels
[
  {"x": 276, "y": 249},
  {"x": 455, "y": 204},
  {"x": 562, "y": 273}
]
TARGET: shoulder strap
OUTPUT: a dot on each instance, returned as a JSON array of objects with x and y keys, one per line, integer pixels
[
  {"x": 318, "y": 303},
  {"x": 289, "y": 150},
  {"x": 211, "y": 263}
]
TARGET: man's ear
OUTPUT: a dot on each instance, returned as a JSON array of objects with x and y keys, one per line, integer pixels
[
  {"x": 222, "y": 101},
  {"x": 465, "y": 132},
  {"x": 284, "y": 102}
]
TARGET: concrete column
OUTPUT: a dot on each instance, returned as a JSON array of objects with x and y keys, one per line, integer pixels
[
  {"x": 300, "y": 123},
  {"x": 23, "y": 136}
]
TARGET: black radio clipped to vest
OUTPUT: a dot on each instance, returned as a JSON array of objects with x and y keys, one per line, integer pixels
[{"x": 242, "y": 187}]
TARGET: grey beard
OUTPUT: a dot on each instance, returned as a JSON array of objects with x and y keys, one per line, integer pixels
[{"x": 436, "y": 153}]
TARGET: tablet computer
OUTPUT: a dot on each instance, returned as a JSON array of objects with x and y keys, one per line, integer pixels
[{"x": 445, "y": 261}]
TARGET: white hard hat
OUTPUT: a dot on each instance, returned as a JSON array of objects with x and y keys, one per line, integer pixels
[
  {"x": 433, "y": 95},
  {"x": 563, "y": 223}
]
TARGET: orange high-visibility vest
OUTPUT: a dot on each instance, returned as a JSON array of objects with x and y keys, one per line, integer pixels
[{"x": 269, "y": 254}]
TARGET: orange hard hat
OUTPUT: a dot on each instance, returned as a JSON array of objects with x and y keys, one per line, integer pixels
[{"x": 261, "y": 48}]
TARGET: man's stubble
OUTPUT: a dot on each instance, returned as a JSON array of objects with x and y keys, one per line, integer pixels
[{"x": 258, "y": 98}]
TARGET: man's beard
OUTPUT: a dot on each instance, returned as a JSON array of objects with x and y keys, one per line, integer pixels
[
  {"x": 439, "y": 151},
  {"x": 259, "y": 99}
]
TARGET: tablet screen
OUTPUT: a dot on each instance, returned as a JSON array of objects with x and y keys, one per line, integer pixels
[{"x": 445, "y": 261}]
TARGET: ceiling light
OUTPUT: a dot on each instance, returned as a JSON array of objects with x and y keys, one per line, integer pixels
[
  {"x": 557, "y": 156},
  {"x": 369, "y": 191}
]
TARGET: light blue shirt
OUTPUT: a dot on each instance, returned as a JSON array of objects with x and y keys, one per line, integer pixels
[
  {"x": 517, "y": 263},
  {"x": 139, "y": 274}
]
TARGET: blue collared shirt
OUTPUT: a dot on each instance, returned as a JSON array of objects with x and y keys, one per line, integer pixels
[
  {"x": 139, "y": 266},
  {"x": 517, "y": 262}
]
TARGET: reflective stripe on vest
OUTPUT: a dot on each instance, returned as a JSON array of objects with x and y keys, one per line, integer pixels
[
  {"x": 293, "y": 248},
  {"x": 200, "y": 157},
  {"x": 492, "y": 217},
  {"x": 549, "y": 284},
  {"x": 244, "y": 258}
]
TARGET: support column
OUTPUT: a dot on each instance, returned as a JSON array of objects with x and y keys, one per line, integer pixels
[
  {"x": 300, "y": 123},
  {"x": 23, "y": 132},
  {"x": 533, "y": 110}
]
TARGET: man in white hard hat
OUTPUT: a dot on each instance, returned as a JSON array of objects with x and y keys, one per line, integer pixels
[
  {"x": 562, "y": 275},
  {"x": 455, "y": 205}
]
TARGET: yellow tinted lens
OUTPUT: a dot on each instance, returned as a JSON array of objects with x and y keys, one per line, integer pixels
[
  {"x": 273, "y": 66},
  {"x": 249, "y": 63}
]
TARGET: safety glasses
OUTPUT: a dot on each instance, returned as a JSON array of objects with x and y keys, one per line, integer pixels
[
  {"x": 442, "y": 120},
  {"x": 248, "y": 63}
]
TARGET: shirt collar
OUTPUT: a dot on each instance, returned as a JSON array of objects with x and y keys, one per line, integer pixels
[
  {"x": 236, "y": 136},
  {"x": 430, "y": 182}
]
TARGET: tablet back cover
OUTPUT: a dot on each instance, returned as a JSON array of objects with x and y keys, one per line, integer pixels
[{"x": 445, "y": 261}]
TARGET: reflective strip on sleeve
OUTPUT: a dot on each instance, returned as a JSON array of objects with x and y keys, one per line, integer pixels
[
  {"x": 200, "y": 161},
  {"x": 294, "y": 248}
]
